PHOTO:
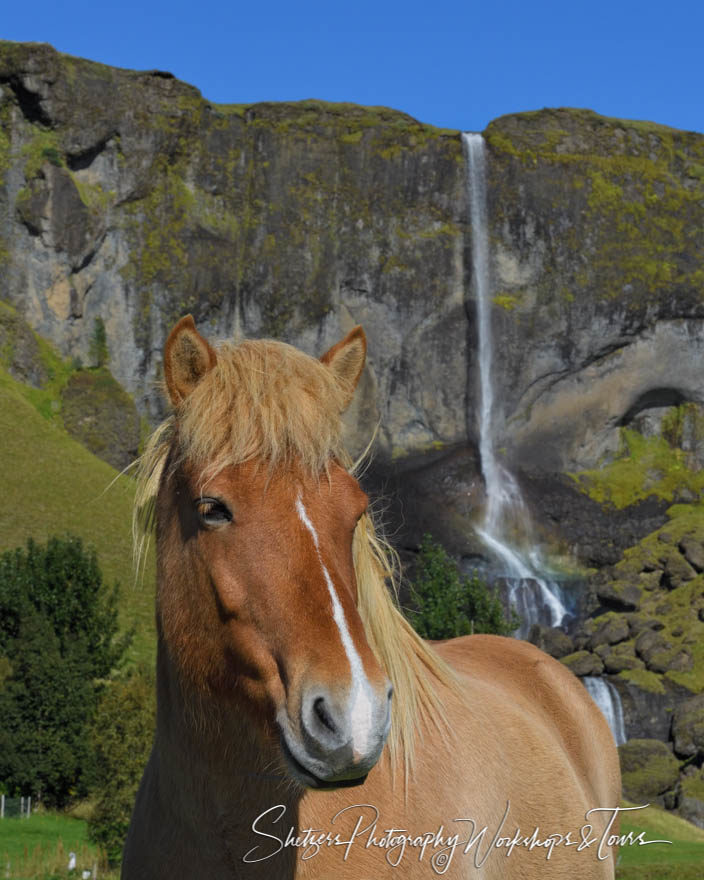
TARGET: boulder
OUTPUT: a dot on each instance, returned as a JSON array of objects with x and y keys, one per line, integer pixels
[
  {"x": 693, "y": 551},
  {"x": 101, "y": 415},
  {"x": 621, "y": 657},
  {"x": 688, "y": 728},
  {"x": 610, "y": 632},
  {"x": 650, "y": 580},
  {"x": 648, "y": 769},
  {"x": 620, "y": 595},
  {"x": 583, "y": 663},
  {"x": 552, "y": 640},
  {"x": 653, "y": 649},
  {"x": 691, "y": 800},
  {"x": 681, "y": 662},
  {"x": 677, "y": 570},
  {"x": 637, "y": 624}
]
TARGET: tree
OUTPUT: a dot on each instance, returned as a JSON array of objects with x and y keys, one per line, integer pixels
[
  {"x": 58, "y": 628},
  {"x": 122, "y": 734},
  {"x": 448, "y": 604}
]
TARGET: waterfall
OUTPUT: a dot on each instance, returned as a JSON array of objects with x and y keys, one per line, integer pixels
[
  {"x": 536, "y": 599},
  {"x": 608, "y": 700}
]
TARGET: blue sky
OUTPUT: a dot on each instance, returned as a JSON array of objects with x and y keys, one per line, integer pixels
[{"x": 452, "y": 64}]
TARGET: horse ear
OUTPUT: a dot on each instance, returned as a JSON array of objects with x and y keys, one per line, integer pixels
[
  {"x": 187, "y": 358},
  {"x": 346, "y": 360}
]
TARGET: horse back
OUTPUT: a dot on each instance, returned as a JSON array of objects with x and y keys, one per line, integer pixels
[{"x": 548, "y": 692}]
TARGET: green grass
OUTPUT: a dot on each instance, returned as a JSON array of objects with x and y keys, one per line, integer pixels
[
  {"x": 39, "y": 848},
  {"x": 682, "y": 860},
  {"x": 51, "y": 485}
]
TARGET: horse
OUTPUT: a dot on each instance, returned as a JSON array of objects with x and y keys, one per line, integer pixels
[{"x": 304, "y": 730}]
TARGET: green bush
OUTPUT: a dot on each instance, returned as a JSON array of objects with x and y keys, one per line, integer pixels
[
  {"x": 122, "y": 734},
  {"x": 448, "y": 604},
  {"x": 57, "y": 640}
]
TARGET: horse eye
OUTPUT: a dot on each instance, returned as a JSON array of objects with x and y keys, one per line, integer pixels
[{"x": 212, "y": 512}]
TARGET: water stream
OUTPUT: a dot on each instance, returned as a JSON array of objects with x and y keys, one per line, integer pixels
[
  {"x": 608, "y": 700},
  {"x": 536, "y": 597}
]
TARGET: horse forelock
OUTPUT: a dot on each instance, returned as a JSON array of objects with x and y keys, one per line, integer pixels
[{"x": 267, "y": 401}]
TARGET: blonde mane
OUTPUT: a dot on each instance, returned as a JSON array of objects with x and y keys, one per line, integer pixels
[{"x": 267, "y": 400}]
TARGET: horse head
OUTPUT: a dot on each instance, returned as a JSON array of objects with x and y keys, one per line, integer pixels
[{"x": 256, "y": 514}]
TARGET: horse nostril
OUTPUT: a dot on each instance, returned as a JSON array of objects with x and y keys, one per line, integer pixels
[
  {"x": 323, "y": 715},
  {"x": 390, "y": 692}
]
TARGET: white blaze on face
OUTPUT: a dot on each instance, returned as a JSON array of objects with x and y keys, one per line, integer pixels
[{"x": 361, "y": 700}]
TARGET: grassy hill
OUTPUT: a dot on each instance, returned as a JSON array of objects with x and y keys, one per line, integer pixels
[
  {"x": 51, "y": 485},
  {"x": 682, "y": 859}
]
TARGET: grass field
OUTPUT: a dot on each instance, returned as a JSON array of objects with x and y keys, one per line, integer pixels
[
  {"x": 38, "y": 848},
  {"x": 51, "y": 485},
  {"x": 682, "y": 860}
]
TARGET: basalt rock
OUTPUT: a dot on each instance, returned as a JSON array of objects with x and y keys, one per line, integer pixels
[
  {"x": 552, "y": 640},
  {"x": 583, "y": 663},
  {"x": 688, "y": 728},
  {"x": 648, "y": 770}
]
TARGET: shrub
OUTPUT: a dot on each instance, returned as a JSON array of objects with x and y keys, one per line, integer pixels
[
  {"x": 449, "y": 604},
  {"x": 122, "y": 735}
]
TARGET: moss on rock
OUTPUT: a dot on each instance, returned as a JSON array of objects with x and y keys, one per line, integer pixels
[
  {"x": 648, "y": 769},
  {"x": 102, "y": 416},
  {"x": 645, "y": 466}
]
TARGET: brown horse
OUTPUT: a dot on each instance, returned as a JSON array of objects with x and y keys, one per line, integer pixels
[{"x": 304, "y": 730}]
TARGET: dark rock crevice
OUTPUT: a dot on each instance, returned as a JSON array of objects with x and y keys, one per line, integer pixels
[{"x": 29, "y": 102}]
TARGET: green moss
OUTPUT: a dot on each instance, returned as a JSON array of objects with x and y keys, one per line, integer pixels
[
  {"x": 604, "y": 194},
  {"x": 501, "y": 143},
  {"x": 44, "y": 147},
  {"x": 693, "y": 786},
  {"x": 47, "y": 399},
  {"x": 352, "y": 137},
  {"x": 644, "y": 679},
  {"x": 506, "y": 301},
  {"x": 635, "y": 184},
  {"x": 645, "y": 467},
  {"x": 92, "y": 195}
]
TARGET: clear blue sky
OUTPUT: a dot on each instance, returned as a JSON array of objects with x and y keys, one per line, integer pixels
[{"x": 452, "y": 64}]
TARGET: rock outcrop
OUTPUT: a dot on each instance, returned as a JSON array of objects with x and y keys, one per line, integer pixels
[{"x": 127, "y": 200}]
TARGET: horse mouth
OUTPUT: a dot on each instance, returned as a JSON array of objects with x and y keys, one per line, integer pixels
[{"x": 303, "y": 775}]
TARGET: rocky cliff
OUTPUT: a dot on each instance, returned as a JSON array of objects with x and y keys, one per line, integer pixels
[
  {"x": 126, "y": 196},
  {"x": 127, "y": 200}
]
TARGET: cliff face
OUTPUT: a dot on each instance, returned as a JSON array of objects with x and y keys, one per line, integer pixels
[
  {"x": 598, "y": 237},
  {"x": 126, "y": 197}
]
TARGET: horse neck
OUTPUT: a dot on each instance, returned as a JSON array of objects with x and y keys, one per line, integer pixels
[{"x": 212, "y": 754}]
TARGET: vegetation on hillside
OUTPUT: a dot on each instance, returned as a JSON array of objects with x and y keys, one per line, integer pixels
[
  {"x": 449, "y": 604},
  {"x": 121, "y": 734},
  {"x": 54, "y": 485}
]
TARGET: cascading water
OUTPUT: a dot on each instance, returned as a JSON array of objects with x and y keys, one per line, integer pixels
[
  {"x": 608, "y": 700},
  {"x": 536, "y": 599}
]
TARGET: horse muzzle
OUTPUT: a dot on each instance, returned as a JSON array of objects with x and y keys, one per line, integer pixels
[{"x": 335, "y": 744}]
